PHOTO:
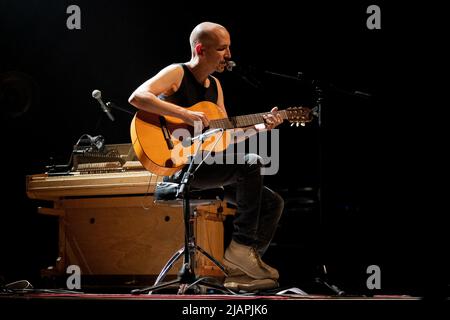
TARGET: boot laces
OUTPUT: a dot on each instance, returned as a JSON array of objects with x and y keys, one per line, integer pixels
[{"x": 257, "y": 257}]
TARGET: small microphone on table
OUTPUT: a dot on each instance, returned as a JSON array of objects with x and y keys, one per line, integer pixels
[{"x": 97, "y": 95}]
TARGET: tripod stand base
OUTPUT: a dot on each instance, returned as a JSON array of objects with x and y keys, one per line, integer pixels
[
  {"x": 186, "y": 277},
  {"x": 199, "y": 285}
]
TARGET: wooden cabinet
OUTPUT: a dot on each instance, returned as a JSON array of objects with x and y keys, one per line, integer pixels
[{"x": 109, "y": 224}]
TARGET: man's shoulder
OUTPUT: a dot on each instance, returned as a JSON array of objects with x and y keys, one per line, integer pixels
[
  {"x": 174, "y": 67},
  {"x": 172, "y": 70}
]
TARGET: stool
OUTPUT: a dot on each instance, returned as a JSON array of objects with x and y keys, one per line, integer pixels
[{"x": 166, "y": 193}]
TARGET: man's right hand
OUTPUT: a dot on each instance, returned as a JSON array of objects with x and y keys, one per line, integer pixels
[{"x": 191, "y": 117}]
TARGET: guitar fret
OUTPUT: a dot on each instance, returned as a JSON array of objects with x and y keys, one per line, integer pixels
[
  {"x": 242, "y": 122},
  {"x": 249, "y": 120},
  {"x": 215, "y": 124},
  {"x": 235, "y": 122},
  {"x": 258, "y": 118}
]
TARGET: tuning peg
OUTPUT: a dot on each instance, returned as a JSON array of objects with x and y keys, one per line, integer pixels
[
  {"x": 297, "y": 124},
  {"x": 292, "y": 124}
]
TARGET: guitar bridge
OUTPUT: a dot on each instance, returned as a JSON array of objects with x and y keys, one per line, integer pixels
[{"x": 165, "y": 132}]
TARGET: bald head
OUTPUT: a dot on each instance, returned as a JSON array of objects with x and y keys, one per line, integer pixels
[{"x": 206, "y": 33}]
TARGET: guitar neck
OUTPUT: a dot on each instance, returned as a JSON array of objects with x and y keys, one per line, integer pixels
[{"x": 242, "y": 121}]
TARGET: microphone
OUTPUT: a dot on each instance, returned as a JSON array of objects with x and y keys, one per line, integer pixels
[
  {"x": 202, "y": 136},
  {"x": 230, "y": 65},
  {"x": 96, "y": 94}
]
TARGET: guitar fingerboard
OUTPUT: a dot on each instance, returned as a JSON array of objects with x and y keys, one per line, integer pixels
[{"x": 242, "y": 121}]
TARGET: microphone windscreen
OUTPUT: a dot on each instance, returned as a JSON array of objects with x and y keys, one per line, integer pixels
[
  {"x": 96, "y": 94},
  {"x": 230, "y": 65}
]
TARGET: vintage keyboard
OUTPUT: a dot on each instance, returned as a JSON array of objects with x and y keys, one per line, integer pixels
[{"x": 113, "y": 172}]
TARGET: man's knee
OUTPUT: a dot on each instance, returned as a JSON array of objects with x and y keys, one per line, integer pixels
[
  {"x": 279, "y": 201},
  {"x": 278, "y": 204},
  {"x": 253, "y": 159},
  {"x": 273, "y": 200}
]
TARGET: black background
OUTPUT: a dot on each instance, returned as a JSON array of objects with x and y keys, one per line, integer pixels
[{"x": 376, "y": 207}]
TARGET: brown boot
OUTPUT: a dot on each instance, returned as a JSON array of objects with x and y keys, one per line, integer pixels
[
  {"x": 247, "y": 260},
  {"x": 248, "y": 284}
]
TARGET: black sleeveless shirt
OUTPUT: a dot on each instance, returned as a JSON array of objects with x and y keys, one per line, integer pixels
[{"x": 191, "y": 91}]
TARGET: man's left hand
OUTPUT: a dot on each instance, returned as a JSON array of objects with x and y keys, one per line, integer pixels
[{"x": 272, "y": 119}]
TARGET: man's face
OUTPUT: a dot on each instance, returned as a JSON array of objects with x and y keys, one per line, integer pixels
[{"x": 218, "y": 51}]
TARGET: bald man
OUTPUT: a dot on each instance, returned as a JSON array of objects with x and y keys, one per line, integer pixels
[{"x": 182, "y": 85}]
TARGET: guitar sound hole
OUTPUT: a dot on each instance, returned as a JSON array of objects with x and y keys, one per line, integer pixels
[{"x": 169, "y": 163}]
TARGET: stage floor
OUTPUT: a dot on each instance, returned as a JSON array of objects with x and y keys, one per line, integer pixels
[{"x": 211, "y": 306}]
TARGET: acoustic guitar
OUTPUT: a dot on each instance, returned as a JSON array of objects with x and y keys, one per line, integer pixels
[{"x": 158, "y": 140}]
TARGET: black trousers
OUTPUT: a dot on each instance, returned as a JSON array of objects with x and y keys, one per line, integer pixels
[{"x": 258, "y": 208}]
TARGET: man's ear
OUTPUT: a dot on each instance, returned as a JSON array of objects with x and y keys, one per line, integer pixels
[{"x": 199, "y": 48}]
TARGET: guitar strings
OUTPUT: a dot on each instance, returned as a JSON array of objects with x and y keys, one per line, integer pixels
[{"x": 203, "y": 160}]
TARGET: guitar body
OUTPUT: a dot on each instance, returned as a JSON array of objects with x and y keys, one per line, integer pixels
[{"x": 157, "y": 140}]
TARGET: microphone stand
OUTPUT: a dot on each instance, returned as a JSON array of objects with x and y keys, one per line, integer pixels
[
  {"x": 300, "y": 77},
  {"x": 286, "y": 76},
  {"x": 317, "y": 111},
  {"x": 114, "y": 106}
]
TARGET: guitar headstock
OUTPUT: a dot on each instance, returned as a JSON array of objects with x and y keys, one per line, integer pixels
[{"x": 299, "y": 115}]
